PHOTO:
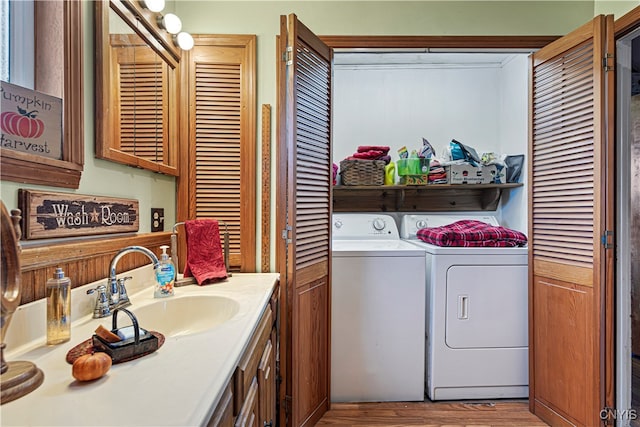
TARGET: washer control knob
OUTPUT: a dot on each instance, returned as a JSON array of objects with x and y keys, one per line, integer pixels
[
  {"x": 379, "y": 224},
  {"x": 421, "y": 223},
  {"x": 337, "y": 223}
]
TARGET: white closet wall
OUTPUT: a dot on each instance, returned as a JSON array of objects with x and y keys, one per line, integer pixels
[
  {"x": 398, "y": 105},
  {"x": 477, "y": 99},
  {"x": 513, "y": 136}
]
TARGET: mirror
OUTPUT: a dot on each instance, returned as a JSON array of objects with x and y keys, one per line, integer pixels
[
  {"x": 136, "y": 88},
  {"x": 53, "y": 19}
]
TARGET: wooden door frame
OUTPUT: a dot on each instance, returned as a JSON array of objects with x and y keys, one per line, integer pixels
[
  {"x": 621, "y": 360},
  {"x": 439, "y": 42},
  {"x": 351, "y": 42}
]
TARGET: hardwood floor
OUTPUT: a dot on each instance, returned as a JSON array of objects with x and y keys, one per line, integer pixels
[{"x": 431, "y": 414}]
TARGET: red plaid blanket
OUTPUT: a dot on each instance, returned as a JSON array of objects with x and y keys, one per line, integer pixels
[{"x": 472, "y": 233}]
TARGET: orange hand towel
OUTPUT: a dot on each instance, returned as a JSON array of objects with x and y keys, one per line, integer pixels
[{"x": 205, "y": 260}]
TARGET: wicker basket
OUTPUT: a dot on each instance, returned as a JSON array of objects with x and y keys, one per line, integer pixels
[{"x": 362, "y": 172}]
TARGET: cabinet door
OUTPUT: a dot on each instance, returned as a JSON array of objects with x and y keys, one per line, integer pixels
[
  {"x": 250, "y": 361},
  {"x": 267, "y": 385},
  {"x": 248, "y": 416},
  {"x": 217, "y": 162},
  {"x": 223, "y": 415}
]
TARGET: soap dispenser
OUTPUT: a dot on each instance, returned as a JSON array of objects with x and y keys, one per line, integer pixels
[
  {"x": 165, "y": 275},
  {"x": 58, "y": 308}
]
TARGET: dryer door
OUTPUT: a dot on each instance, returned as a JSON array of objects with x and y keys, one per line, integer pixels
[{"x": 487, "y": 306}]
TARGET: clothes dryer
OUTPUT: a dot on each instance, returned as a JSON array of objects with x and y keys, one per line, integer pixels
[
  {"x": 377, "y": 312},
  {"x": 477, "y": 315}
]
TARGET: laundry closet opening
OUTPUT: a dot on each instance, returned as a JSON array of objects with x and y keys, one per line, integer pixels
[{"x": 398, "y": 97}]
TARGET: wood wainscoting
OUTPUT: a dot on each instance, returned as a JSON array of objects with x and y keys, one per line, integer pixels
[{"x": 83, "y": 261}]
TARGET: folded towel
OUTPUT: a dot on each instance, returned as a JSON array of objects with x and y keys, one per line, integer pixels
[
  {"x": 365, "y": 148},
  {"x": 470, "y": 233},
  {"x": 205, "y": 260},
  {"x": 369, "y": 155}
]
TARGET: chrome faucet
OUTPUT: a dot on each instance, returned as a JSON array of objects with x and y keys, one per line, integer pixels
[
  {"x": 102, "y": 302},
  {"x": 117, "y": 292}
]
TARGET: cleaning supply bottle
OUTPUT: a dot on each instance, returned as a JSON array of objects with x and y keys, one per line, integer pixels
[
  {"x": 165, "y": 275},
  {"x": 58, "y": 308},
  {"x": 390, "y": 174}
]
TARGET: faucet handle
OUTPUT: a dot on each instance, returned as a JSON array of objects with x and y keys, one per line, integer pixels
[
  {"x": 124, "y": 298},
  {"x": 102, "y": 302}
]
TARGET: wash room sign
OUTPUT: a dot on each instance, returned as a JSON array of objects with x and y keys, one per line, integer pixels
[
  {"x": 48, "y": 215},
  {"x": 31, "y": 122}
]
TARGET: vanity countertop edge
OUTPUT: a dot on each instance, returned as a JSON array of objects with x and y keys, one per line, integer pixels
[{"x": 179, "y": 384}]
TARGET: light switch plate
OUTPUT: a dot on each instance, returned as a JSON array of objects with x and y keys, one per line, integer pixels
[{"x": 157, "y": 219}]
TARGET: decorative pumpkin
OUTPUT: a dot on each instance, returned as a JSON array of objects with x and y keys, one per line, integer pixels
[
  {"x": 91, "y": 366},
  {"x": 24, "y": 123}
]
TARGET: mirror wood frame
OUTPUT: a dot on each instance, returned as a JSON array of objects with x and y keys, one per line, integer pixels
[
  {"x": 106, "y": 121},
  {"x": 66, "y": 17}
]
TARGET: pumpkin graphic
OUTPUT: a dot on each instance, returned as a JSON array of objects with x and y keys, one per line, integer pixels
[{"x": 22, "y": 123}]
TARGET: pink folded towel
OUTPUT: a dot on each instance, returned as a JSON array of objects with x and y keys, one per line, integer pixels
[
  {"x": 365, "y": 148},
  {"x": 205, "y": 260}
]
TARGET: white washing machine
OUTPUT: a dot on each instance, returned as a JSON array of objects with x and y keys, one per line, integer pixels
[
  {"x": 377, "y": 312},
  {"x": 477, "y": 316}
]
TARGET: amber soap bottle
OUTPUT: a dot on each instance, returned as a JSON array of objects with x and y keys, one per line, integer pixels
[{"x": 58, "y": 308}]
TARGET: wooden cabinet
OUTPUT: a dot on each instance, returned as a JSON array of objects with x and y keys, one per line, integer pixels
[
  {"x": 249, "y": 399},
  {"x": 247, "y": 369}
]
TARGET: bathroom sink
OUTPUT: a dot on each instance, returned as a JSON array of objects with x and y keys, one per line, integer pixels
[{"x": 185, "y": 315}]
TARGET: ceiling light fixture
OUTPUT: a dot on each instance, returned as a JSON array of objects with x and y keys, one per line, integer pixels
[
  {"x": 153, "y": 5},
  {"x": 171, "y": 23},
  {"x": 184, "y": 40}
]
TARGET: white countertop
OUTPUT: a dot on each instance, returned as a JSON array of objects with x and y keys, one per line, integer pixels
[{"x": 178, "y": 385}]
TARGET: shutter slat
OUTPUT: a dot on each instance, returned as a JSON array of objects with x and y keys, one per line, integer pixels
[
  {"x": 562, "y": 159},
  {"x": 140, "y": 89},
  {"x": 217, "y": 129}
]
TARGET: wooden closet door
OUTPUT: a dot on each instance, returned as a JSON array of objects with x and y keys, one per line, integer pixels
[
  {"x": 571, "y": 174},
  {"x": 305, "y": 202},
  {"x": 218, "y": 159}
]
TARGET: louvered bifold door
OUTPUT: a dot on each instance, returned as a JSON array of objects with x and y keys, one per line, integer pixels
[
  {"x": 568, "y": 177},
  {"x": 309, "y": 82},
  {"x": 222, "y": 146}
]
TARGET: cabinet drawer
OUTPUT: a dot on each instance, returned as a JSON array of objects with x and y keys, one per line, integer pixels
[
  {"x": 248, "y": 366},
  {"x": 223, "y": 415},
  {"x": 248, "y": 416},
  {"x": 267, "y": 386},
  {"x": 274, "y": 302}
]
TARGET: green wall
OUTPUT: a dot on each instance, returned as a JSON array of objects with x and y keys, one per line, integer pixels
[
  {"x": 377, "y": 18},
  {"x": 105, "y": 178},
  {"x": 613, "y": 7}
]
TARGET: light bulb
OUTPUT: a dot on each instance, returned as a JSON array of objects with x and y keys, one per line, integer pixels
[
  {"x": 154, "y": 5},
  {"x": 171, "y": 23},
  {"x": 184, "y": 40}
]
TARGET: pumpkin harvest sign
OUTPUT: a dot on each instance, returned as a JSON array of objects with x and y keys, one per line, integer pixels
[{"x": 31, "y": 122}]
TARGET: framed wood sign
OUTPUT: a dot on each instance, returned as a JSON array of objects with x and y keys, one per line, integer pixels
[
  {"x": 48, "y": 215},
  {"x": 31, "y": 121}
]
